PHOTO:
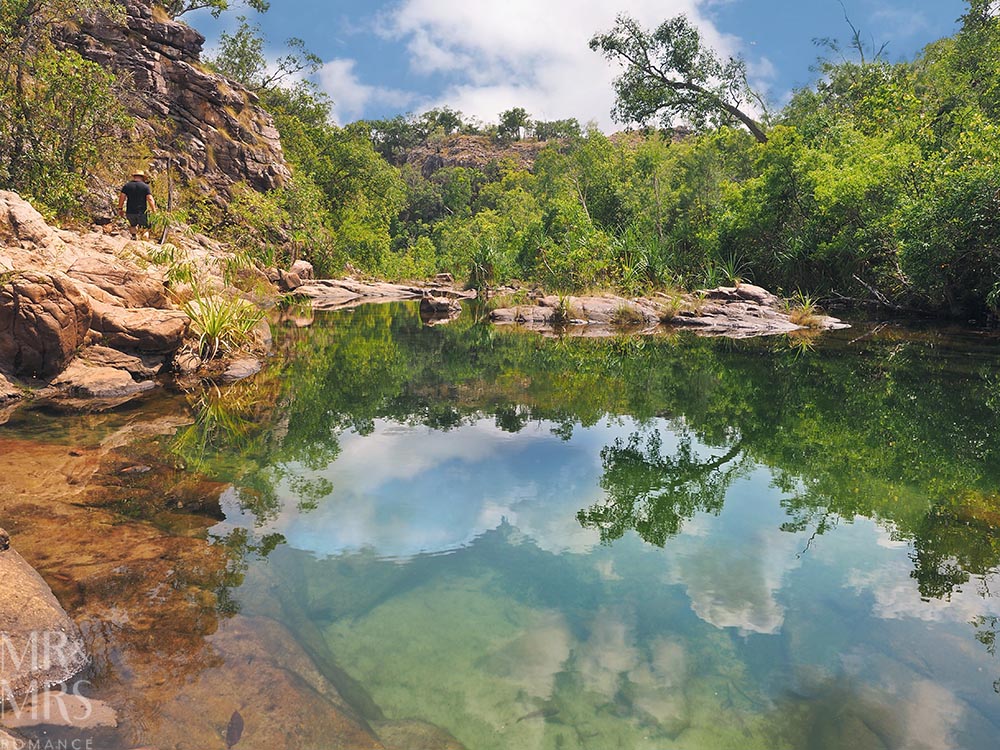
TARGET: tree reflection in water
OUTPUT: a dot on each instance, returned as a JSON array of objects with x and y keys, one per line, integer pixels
[{"x": 653, "y": 493}]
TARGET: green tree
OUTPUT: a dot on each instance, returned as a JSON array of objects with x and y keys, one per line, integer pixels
[
  {"x": 555, "y": 129},
  {"x": 61, "y": 116},
  {"x": 241, "y": 57},
  {"x": 672, "y": 72},
  {"x": 217, "y": 7},
  {"x": 513, "y": 123},
  {"x": 448, "y": 120}
]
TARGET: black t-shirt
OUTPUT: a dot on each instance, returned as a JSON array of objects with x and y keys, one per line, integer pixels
[{"x": 135, "y": 196}]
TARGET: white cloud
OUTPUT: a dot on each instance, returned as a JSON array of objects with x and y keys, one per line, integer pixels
[
  {"x": 737, "y": 585},
  {"x": 895, "y": 595},
  {"x": 350, "y": 96},
  {"x": 526, "y": 53},
  {"x": 899, "y": 23},
  {"x": 403, "y": 490}
]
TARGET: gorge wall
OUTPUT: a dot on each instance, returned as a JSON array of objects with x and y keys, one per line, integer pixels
[{"x": 213, "y": 128}]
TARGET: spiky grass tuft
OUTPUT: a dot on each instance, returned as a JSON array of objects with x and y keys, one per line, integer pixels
[{"x": 222, "y": 323}]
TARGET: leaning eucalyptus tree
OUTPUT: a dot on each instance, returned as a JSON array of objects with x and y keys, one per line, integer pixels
[{"x": 672, "y": 73}]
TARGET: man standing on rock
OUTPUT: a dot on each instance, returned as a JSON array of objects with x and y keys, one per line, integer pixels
[{"x": 134, "y": 200}]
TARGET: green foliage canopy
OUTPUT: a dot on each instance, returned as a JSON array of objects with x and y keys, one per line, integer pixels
[
  {"x": 673, "y": 72},
  {"x": 61, "y": 117}
]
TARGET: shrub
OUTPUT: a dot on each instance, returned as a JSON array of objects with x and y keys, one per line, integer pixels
[
  {"x": 222, "y": 324},
  {"x": 627, "y": 315},
  {"x": 803, "y": 310},
  {"x": 951, "y": 242}
]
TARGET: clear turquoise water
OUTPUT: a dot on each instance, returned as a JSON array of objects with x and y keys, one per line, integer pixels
[
  {"x": 630, "y": 543},
  {"x": 663, "y": 543}
]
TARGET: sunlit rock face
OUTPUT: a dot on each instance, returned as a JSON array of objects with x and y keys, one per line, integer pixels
[{"x": 212, "y": 127}]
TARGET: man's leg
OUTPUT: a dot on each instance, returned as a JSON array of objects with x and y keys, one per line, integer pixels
[{"x": 136, "y": 222}]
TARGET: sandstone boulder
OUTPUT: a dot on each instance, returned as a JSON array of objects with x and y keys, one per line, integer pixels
[
  {"x": 85, "y": 380},
  {"x": 21, "y": 223},
  {"x": 336, "y": 294},
  {"x": 34, "y": 627},
  {"x": 303, "y": 269},
  {"x": 187, "y": 363},
  {"x": 289, "y": 281},
  {"x": 240, "y": 369},
  {"x": 735, "y": 312},
  {"x": 743, "y": 293},
  {"x": 439, "y": 305},
  {"x": 124, "y": 282},
  {"x": 44, "y": 318},
  {"x": 139, "y": 366},
  {"x": 8, "y": 392},
  {"x": 140, "y": 329},
  {"x": 604, "y": 311}
]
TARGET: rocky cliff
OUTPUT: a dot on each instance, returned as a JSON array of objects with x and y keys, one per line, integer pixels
[
  {"x": 472, "y": 151},
  {"x": 212, "y": 128}
]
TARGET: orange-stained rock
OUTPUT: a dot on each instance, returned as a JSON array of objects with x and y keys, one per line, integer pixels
[
  {"x": 120, "y": 535},
  {"x": 140, "y": 329},
  {"x": 122, "y": 280},
  {"x": 44, "y": 318}
]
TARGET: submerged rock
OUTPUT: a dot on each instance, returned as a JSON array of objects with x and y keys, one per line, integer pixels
[
  {"x": 33, "y": 626},
  {"x": 253, "y": 666},
  {"x": 57, "y": 708},
  {"x": 84, "y": 380},
  {"x": 415, "y": 735}
]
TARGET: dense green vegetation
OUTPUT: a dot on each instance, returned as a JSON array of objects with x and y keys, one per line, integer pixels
[
  {"x": 879, "y": 183},
  {"x": 62, "y": 118}
]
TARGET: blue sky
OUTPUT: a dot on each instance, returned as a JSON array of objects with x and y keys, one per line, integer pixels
[{"x": 387, "y": 57}]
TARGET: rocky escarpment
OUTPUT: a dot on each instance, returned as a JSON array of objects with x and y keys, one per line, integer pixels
[
  {"x": 212, "y": 128},
  {"x": 471, "y": 151},
  {"x": 479, "y": 151}
]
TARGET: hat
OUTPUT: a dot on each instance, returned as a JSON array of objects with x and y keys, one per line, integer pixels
[{"x": 138, "y": 173}]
